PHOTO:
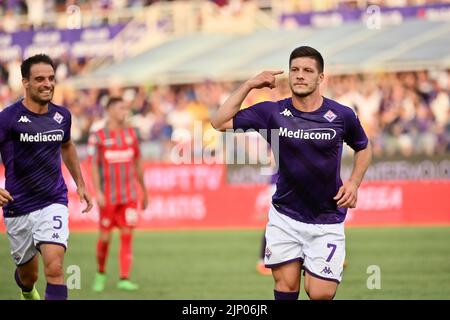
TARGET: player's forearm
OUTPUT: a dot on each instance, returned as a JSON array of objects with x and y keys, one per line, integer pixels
[
  {"x": 361, "y": 163},
  {"x": 70, "y": 158},
  {"x": 222, "y": 119}
]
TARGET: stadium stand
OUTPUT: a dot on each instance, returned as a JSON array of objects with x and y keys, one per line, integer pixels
[{"x": 397, "y": 77}]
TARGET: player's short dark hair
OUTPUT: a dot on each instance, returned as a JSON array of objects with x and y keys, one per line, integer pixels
[
  {"x": 38, "y": 58},
  {"x": 111, "y": 101},
  {"x": 305, "y": 51}
]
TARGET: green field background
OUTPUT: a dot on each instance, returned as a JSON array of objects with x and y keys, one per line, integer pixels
[{"x": 175, "y": 265}]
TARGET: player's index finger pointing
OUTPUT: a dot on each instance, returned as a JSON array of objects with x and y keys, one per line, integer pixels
[{"x": 277, "y": 72}]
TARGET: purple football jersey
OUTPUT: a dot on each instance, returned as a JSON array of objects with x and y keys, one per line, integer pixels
[
  {"x": 30, "y": 146},
  {"x": 309, "y": 154}
]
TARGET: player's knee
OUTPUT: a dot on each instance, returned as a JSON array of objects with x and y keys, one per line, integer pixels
[
  {"x": 287, "y": 286},
  {"x": 54, "y": 269},
  {"x": 321, "y": 294},
  {"x": 105, "y": 236},
  {"x": 29, "y": 278}
]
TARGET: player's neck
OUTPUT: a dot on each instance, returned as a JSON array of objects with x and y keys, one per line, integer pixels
[
  {"x": 114, "y": 125},
  {"x": 35, "y": 107},
  {"x": 309, "y": 103}
]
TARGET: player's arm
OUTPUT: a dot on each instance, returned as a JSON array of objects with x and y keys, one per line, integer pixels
[
  {"x": 223, "y": 119},
  {"x": 95, "y": 174},
  {"x": 140, "y": 179},
  {"x": 347, "y": 195},
  {"x": 70, "y": 158}
]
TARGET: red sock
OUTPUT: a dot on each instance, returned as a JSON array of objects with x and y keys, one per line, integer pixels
[
  {"x": 126, "y": 255},
  {"x": 102, "y": 254}
]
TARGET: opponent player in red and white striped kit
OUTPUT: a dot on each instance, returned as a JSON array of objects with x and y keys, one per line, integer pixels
[{"x": 116, "y": 170}]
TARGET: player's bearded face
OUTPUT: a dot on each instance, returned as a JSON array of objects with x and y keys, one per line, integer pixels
[
  {"x": 41, "y": 84},
  {"x": 304, "y": 76}
]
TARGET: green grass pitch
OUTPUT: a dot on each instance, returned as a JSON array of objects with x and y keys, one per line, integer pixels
[{"x": 414, "y": 264}]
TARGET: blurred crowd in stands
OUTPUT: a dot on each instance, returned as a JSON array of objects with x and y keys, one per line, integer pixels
[
  {"x": 18, "y": 15},
  {"x": 405, "y": 113}
]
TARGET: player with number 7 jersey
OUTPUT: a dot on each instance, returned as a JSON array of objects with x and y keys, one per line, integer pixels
[{"x": 307, "y": 131}]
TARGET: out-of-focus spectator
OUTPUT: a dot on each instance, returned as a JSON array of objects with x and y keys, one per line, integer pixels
[{"x": 404, "y": 113}]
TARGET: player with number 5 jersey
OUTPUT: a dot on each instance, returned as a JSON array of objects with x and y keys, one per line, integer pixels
[{"x": 34, "y": 136}]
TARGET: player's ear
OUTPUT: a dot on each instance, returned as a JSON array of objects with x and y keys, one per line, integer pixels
[
  {"x": 25, "y": 83},
  {"x": 321, "y": 77}
]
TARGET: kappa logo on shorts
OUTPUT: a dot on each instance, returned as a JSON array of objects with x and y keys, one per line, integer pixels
[
  {"x": 268, "y": 253},
  {"x": 326, "y": 270},
  {"x": 16, "y": 258},
  {"x": 55, "y": 236}
]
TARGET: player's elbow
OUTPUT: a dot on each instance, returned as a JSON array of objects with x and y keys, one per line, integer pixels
[
  {"x": 221, "y": 125},
  {"x": 217, "y": 125}
]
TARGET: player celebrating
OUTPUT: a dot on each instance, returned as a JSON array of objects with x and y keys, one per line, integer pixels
[
  {"x": 116, "y": 166},
  {"x": 34, "y": 134},
  {"x": 306, "y": 219}
]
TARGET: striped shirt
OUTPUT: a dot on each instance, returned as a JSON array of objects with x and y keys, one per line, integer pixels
[{"x": 115, "y": 152}]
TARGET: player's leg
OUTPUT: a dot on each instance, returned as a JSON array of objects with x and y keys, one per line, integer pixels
[
  {"x": 287, "y": 281},
  {"x": 20, "y": 236},
  {"x": 106, "y": 224},
  {"x": 283, "y": 255},
  {"x": 127, "y": 221},
  {"x": 53, "y": 257},
  {"x": 319, "y": 289},
  {"x": 324, "y": 259},
  {"x": 51, "y": 232},
  {"x": 26, "y": 275},
  {"x": 260, "y": 266}
]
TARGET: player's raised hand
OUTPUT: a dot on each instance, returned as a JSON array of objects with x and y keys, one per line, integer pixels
[
  {"x": 85, "y": 197},
  {"x": 347, "y": 195},
  {"x": 5, "y": 197},
  {"x": 264, "y": 79}
]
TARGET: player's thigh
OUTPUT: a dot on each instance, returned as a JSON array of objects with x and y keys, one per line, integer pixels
[
  {"x": 325, "y": 252},
  {"x": 107, "y": 218},
  {"x": 287, "y": 276},
  {"x": 52, "y": 226},
  {"x": 320, "y": 289},
  {"x": 53, "y": 258},
  {"x": 29, "y": 269},
  {"x": 19, "y": 231}
]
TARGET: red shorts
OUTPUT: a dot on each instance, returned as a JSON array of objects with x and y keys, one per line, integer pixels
[{"x": 119, "y": 215}]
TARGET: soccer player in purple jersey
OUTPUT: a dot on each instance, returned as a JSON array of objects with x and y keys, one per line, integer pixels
[
  {"x": 34, "y": 136},
  {"x": 306, "y": 220}
]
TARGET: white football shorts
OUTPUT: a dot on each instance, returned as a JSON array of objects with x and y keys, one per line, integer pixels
[
  {"x": 27, "y": 232},
  {"x": 320, "y": 248}
]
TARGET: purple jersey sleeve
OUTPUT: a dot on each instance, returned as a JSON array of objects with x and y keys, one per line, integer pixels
[
  {"x": 68, "y": 127},
  {"x": 5, "y": 123},
  {"x": 354, "y": 134},
  {"x": 255, "y": 117}
]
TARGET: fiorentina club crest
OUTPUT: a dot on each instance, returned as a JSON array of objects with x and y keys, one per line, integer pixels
[
  {"x": 58, "y": 117},
  {"x": 330, "y": 116},
  {"x": 268, "y": 253}
]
